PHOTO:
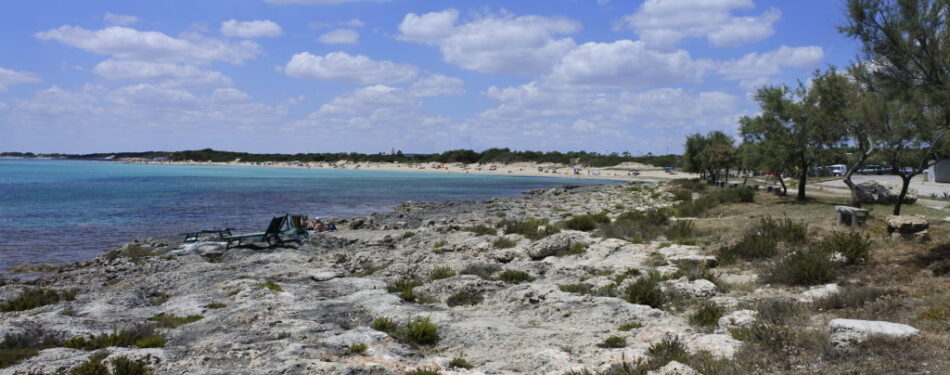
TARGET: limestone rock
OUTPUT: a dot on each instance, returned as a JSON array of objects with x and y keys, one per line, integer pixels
[
  {"x": 556, "y": 243},
  {"x": 818, "y": 292},
  {"x": 906, "y": 223},
  {"x": 874, "y": 192},
  {"x": 847, "y": 331},
  {"x": 674, "y": 368},
  {"x": 697, "y": 288}
]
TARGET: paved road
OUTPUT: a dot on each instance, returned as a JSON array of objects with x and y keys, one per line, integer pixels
[{"x": 924, "y": 189}]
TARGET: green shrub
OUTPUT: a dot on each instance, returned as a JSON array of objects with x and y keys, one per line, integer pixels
[
  {"x": 645, "y": 291},
  {"x": 620, "y": 277},
  {"x": 579, "y": 288},
  {"x": 807, "y": 266},
  {"x": 652, "y": 217},
  {"x": 16, "y": 347},
  {"x": 751, "y": 246},
  {"x": 483, "y": 270},
  {"x": 424, "y": 371},
  {"x": 669, "y": 349},
  {"x": 464, "y": 298},
  {"x": 633, "y": 231},
  {"x": 515, "y": 277},
  {"x": 93, "y": 366},
  {"x": 172, "y": 321},
  {"x": 408, "y": 234},
  {"x": 585, "y": 223},
  {"x": 459, "y": 362},
  {"x": 125, "y": 366},
  {"x": 32, "y": 298},
  {"x": 440, "y": 273},
  {"x": 630, "y": 326},
  {"x": 577, "y": 248},
  {"x": 481, "y": 230},
  {"x": 707, "y": 315},
  {"x": 699, "y": 206},
  {"x": 777, "y": 310},
  {"x": 682, "y": 195},
  {"x": 850, "y": 297},
  {"x": 404, "y": 288},
  {"x": 216, "y": 305},
  {"x": 784, "y": 230},
  {"x": 385, "y": 324},
  {"x": 613, "y": 342},
  {"x": 142, "y": 336},
  {"x": 421, "y": 331},
  {"x": 439, "y": 244},
  {"x": 681, "y": 232},
  {"x": 269, "y": 284},
  {"x": 693, "y": 185},
  {"x": 531, "y": 229},
  {"x": 772, "y": 336},
  {"x": 154, "y": 341},
  {"x": 504, "y": 243},
  {"x": 357, "y": 348},
  {"x": 854, "y": 246}
]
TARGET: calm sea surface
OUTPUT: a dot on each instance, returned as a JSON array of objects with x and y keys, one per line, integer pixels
[{"x": 59, "y": 211}]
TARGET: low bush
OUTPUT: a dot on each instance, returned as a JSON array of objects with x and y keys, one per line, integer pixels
[
  {"x": 424, "y": 371},
  {"x": 421, "y": 331},
  {"x": 778, "y": 310},
  {"x": 854, "y": 246},
  {"x": 808, "y": 266},
  {"x": 577, "y": 248},
  {"x": 16, "y": 347},
  {"x": 408, "y": 234},
  {"x": 652, "y": 217},
  {"x": 504, "y": 243},
  {"x": 481, "y": 230},
  {"x": 125, "y": 366},
  {"x": 771, "y": 336},
  {"x": 270, "y": 284},
  {"x": 141, "y": 336},
  {"x": 92, "y": 366},
  {"x": 134, "y": 252},
  {"x": 440, "y": 273},
  {"x": 693, "y": 185},
  {"x": 681, "y": 232},
  {"x": 216, "y": 305},
  {"x": 579, "y": 288},
  {"x": 439, "y": 244},
  {"x": 585, "y": 223},
  {"x": 464, "y": 298},
  {"x": 669, "y": 349},
  {"x": 35, "y": 297},
  {"x": 404, "y": 289},
  {"x": 483, "y": 270},
  {"x": 515, "y": 277},
  {"x": 850, "y": 297},
  {"x": 630, "y": 326},
  {"x": 682, "y": 195},
  {"x": 783, "y": 230},
  {"x": 707, "y": 315},
  {"x": 357, "y": 348},
  {"x": 531, "y": 229},
  {"x": 751, "y": 246},
  {"x": 613, "y": 342},
  {"x": 172, "y": 321},
  {"x": 645, "y": 291},
  {"x": 459, "y": 362},
  {"x": 699, "y": 206},
  {"x": 385, "y": 324}
]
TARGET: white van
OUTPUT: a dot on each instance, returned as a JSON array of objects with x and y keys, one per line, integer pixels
[{"x": 837, "y": 169}]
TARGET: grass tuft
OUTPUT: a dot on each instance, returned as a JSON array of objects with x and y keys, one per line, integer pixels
[
  {"x": 854, "y": 246},
  {"x": 530, "y": 229},
  {"x": 645, "y": 291},
  {"x": 464, "y": 298},
  {"x": 613, "y": 342},
  {"x": 440, "y": 273},
  {"x": 504, "y": 243},
  {"x": 270, "y": 284},
  {"x": 481, "y": 230},
  {"x": 459, "y": 362},
  {"x": 515, "y": 277},
  {"x": 707, "y": 315},
  {"x": 483, "y": 270},
  {"x": 807, "y": 266},
  {"x": 172, "y": 321},
  {"x": 404, "y": 288},
  {"x": 32, "y": 298}
]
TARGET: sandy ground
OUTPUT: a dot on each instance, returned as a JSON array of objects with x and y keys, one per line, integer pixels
[{"x": 618, "y": 172}]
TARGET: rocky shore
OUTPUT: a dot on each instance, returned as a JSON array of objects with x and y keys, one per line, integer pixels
[{"x": 500, "y": 303}]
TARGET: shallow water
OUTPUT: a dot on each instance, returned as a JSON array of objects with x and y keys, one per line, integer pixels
[{"x": 60, "y": 211}]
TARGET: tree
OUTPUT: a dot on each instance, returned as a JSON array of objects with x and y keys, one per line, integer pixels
[
  {"x": 793, "y": 128},
  {"x": 712, "y": 155}
]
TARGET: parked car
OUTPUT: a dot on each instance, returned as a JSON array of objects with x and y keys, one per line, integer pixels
[
  {"x": 874, "y": 169},
  {"x": 837, "y": 169}
]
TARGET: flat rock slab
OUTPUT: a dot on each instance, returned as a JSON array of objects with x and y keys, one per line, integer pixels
[
  {"x": 906, "y": 223},
  {"x": 847, "y": 331}
]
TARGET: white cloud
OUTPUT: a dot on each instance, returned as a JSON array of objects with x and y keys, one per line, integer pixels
[
  {"x": 130, "y": 44},
  {"x": 340, "y": 66},
  {"x": 356, "y": 22},
  {"x": 499, "y": 43},
  {"x": 755, "y": 69},
  {"x": 250, "y": 29},
  {"x": 11, "y": 77},
  {"x": 664, "y": 23},
  {"x": 320, "y": 2},
  {"x": 627, "y": 64},
  {"x": 436, "y": 85},
  {"x": 113, "y": 19},
  {"x": 166, "y": 74},
  {"x": 340, "y": 36}
]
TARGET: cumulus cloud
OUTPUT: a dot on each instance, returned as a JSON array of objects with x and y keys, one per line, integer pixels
[
  {"x": 340, "y": 36},
  {"x": 131, "y": 44},
  {"x": 755, "y": 69},
  {"x": 250, "y": 29},
  {"x": 341, "y": 66},
  {"x": 355, "y": 22},
  {"x": 11, "y": 77},
  {"x": 664, "y": 23},
  {"x": 626, "y": 64},
  {"x": 165, "y": 74},
  {"x": 500, "y": 43},
  {"x": 119, "y": 19}
]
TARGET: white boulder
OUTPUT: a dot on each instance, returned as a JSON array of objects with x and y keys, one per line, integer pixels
[{"x": 848, "y": 331}]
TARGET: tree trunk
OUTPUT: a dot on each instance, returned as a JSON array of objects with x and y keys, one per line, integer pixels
[
  {"x": 802, "y": 179},
  {"x": 784, "y": 188},
  {"x": 855, "y": 200},
  {"x": 905, "y": 184}
]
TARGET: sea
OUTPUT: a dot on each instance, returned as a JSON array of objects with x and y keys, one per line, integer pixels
[{"x": 58, "y": 211}]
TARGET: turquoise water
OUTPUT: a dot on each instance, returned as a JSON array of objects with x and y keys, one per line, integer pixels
[{"x": 59, "y": 211}]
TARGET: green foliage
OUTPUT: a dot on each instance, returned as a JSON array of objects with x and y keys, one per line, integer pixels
[
  {"x": 464, "y": 298},
  {"x": 172, "y": 321},
  {"x": 669, "y": 349},
  {"x": 424, "y": 371},
  {"x": 708, "y": 201},
  {"x": 481, "y": 230},
  {"x": 504, "y": 243},
  {"x": 577, "y": 248},
  {"x": 357, "y": 348},
  {"x": 408, "y": 234},
  {"x": 421, "y": 331},
  {"x": 630, "y": 326},
  {"x": 133, "y": 251},
  {"x": 707, "y": 315},
  {"x": 579, "y": 288},
  {"x": 850, "y": 297},
  {"x": 16, "y": 347},
  {"x": 440, "y": 244},
  {"x": 216, "y": 305},
  {"x": 515, "y": 277},
  {"x": 613, "y": 342},
  {"x": 693, "y": 185},
  {"x": 530, "y": 229},
  {"x": 645, "y": 291},
  {"x": 404, "y": 288},
  {"x": 125, "y": 366},
  {"x": 385, "y": 324},
  {"x": 652, "y": 217},
  {"x": 784, "y": 230},
  {"x": 751, "y": 246},
  {"x": 270, "y": 284},
  {"x": 92, "y": 366},
  {"x": 368, "y": 270},
  {"x": 681, "y": 232},
  {"x": 440, "y": 273},
  {"x": 807, "y": 266},
  {"x": 36, "y": 297},
  {"x": 483, "y": 270},
  {"x": 682, "y": 195},
  {"x": 854, "y": 246},
  {"x": 142, "y": 336},
  {"x": 459, "y": 362},
  {"x": 585, "y": 223}
]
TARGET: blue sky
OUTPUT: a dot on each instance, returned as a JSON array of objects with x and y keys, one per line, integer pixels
[{"x": 419, "y": 76}]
